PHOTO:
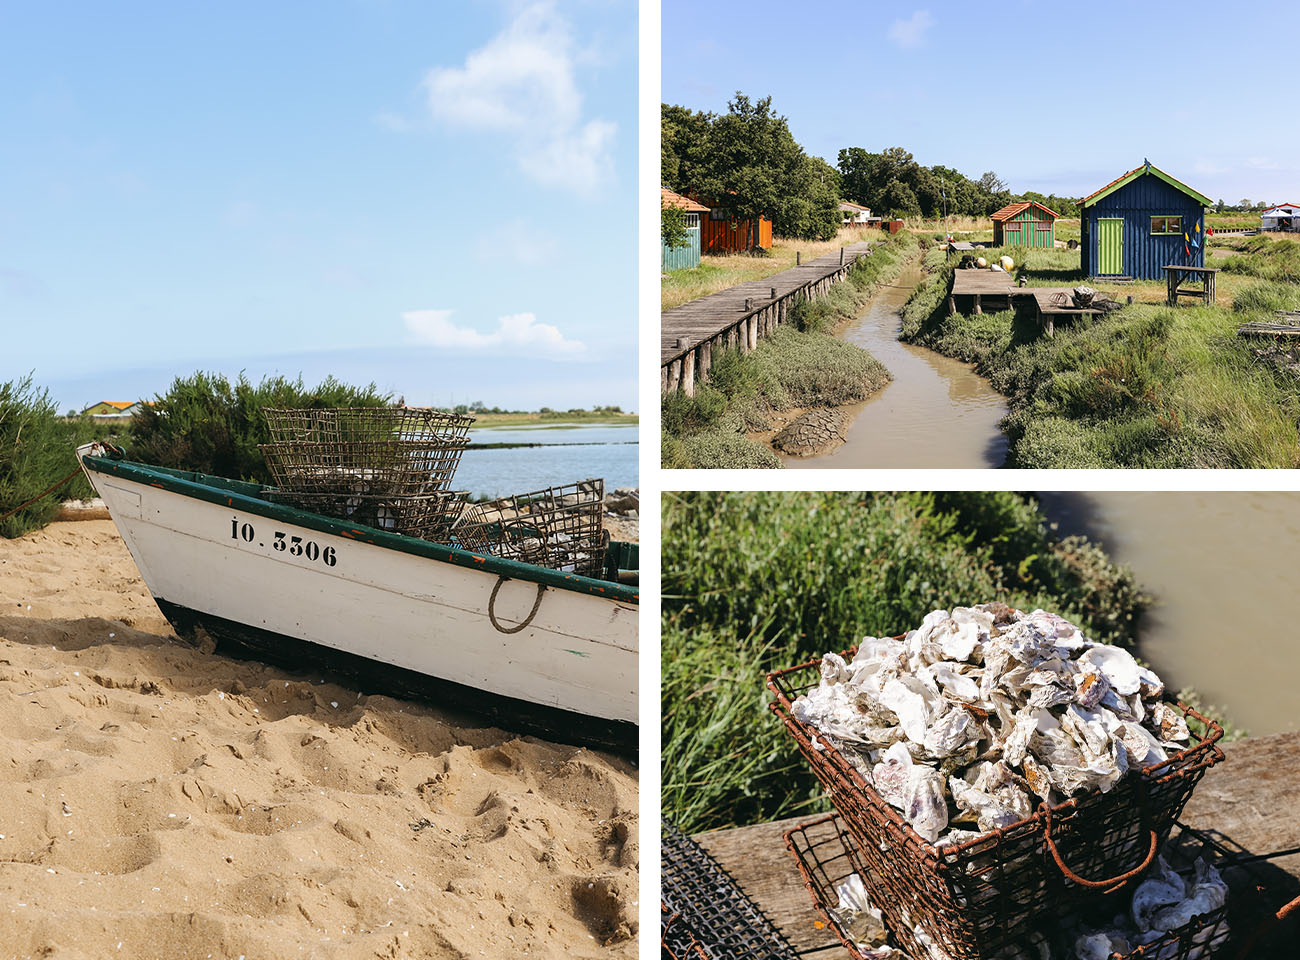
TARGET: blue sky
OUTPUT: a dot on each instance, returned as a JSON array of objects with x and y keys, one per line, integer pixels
[
  {"x": 1056, "y": 97},
  {"x": 436, "y": 196}
]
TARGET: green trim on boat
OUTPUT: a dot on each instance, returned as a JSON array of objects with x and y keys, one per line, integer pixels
[{"x": 241, "y": 495}]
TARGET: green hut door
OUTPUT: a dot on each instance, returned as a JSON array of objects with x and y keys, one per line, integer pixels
[{"x": 1110, "y": 245}]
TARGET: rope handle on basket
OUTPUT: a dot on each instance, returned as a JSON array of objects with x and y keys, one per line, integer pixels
[
  {"x": 492, "y": 602},
  {"x": 1109, "y": 885}
]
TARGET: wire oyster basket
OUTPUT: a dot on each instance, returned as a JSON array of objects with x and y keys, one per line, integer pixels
[
  {"x": 557, "y": 527},
  {"x": 385, "y": 467},
  {"x": 705, "y": 914},
  {"x": 827, "y": 855},
  {"x": 974, "y": 898}
]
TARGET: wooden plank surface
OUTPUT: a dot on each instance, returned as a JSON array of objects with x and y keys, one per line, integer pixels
[
  {"x": 706, "y": 317},
  {"x": 966, "y": 283},
  {"x": 1043, "y": 297},
  {"x": 1249, "y": 802}
]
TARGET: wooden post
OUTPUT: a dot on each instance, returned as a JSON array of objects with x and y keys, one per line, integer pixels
[
  {"x": 979, "y": 306},
  {"x": 841, "y": 256},
  {"x": 749, "y": 304},
  {"x": 752, "y": 325},
  {"x": 798, "y": 258},
  {"x": 674, "y": 375},
  {"x": 774, "y": 293},
  {"x": 706, "y": 359},
  {"x": 663, "y": 380},
  {"x": 731, "y": 338},
  {"x": 952, "y": 305},
  {"x": 688, "y": 374},
  {"x": 1209, "y": 289},
  {"x": 681, "y": 342},
  {"x": 1172, "y": 278}
]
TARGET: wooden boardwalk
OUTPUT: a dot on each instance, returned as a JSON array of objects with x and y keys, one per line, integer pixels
[
  {"x": 1247, "y": 802},
  {"x": 738, "y": 316}
]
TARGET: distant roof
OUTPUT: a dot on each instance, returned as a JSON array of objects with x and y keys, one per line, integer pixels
[
  {"x": 850, "y": 205},
  {"x": 119, "y": 404},
  {"x": 1294, "y": 206},
  {"x": 1141, "y": 171},
  {"x": 669, "y": 199},
  {"x": 1011, "y": 209}
]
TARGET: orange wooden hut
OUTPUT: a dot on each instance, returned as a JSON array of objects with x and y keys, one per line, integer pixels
[{"x": 720, "y": 234}]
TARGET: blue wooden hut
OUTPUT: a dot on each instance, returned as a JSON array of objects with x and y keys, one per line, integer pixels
[
  {"x": 1137, "y": 224},
  {"x": 687, "y": 255}
]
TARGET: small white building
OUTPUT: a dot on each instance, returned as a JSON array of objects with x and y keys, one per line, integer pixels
[
  {"x": 1284, "y": 217},
  {"x": 856, "y": 213}
]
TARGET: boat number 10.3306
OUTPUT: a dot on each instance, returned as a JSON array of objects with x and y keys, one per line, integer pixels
[{"x": 282, "y": 542}]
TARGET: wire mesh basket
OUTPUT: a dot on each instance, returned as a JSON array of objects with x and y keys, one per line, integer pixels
[
  {"x": 431, "y": 516},
  {"x": 827, "y": 855},
  {"x": 557, "y": 527},
  {"x": 676, "y": 941},
  {"x": 973, "y": 898},
  {"x": 365, "y": 452},
  {"x": 713, "y": 911}
]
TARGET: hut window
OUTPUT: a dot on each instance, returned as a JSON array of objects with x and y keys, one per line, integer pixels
[
  {"x": 1044, "y": 224},
  {"x": 1166, "y": 225},
  {"x": 692, "y": 220}
]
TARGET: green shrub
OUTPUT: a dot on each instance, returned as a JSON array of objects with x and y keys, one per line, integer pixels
[
  {"x": 37, "y": 448},
  {"x": 1267, "y": 297},
  {"x": 208, "y": 424},
  {"x": 759, "y": 581}
]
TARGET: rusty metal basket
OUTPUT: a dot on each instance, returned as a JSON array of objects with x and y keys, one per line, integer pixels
[
  {"x": 558, "y": 527},
  {"x": 719, "y": 919},
  {"x": 365, "y": 452},
  {"x": 827, "y": 854},
  {"x": 676, "y": 941},
  {"x": 431, "y": 516},
  {"x": 975, "y": 897}
]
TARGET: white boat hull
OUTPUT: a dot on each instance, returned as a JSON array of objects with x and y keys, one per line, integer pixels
[{"x": 209, "y": 564}]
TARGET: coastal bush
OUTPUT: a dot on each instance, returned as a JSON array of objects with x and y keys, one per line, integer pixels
[
  {"x": 37, "y": 448},
  {"x": 758, "y": 581},
  {"x": 207, "y": 424},
  {"x": 1267, "y": 297},
  {"x": 1267, "y": 258}
]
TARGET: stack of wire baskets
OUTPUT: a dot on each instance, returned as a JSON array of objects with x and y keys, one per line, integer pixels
[
  {"x": 971, "y": 900},
  {"x": 384, "y": 467},
  {"x": 557, "y": 527}
]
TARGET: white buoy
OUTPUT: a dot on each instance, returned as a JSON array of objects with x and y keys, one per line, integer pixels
[
  {"x": 1007, "y": 264},
  {"x": 981, "y": 262}
]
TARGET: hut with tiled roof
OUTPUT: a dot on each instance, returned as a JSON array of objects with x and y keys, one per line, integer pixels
[
  {"x": 1025, "y": 224},
  {"x": 1141, "y": 222},
  {"x": 687, "y": 255}
]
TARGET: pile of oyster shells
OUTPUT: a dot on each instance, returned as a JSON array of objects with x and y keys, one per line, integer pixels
[
  {"x": 982, "y": 712},
  {"x": 1164, "y": 901}
]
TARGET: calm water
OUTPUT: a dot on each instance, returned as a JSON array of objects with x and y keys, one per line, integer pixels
[
  {"x": 937, "y": 412},
  {"x": 1223, "y": 569},
  {"x": 566, "y": 455}
]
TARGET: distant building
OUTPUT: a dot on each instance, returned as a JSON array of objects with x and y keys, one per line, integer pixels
[
  {"x": 685, "y": 257},
  {"x": 1024, "y": 224},
  {"x": 113, "y": 409},
  {"x": 1284, "y": 217},
  {"x": 1140, "y": 222},
  {"x": 720, "y": 234},
  {"x": 856, "y": 213}
]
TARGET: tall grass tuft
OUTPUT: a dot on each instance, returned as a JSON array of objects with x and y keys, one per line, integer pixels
[{"x": 760, "y": 581}]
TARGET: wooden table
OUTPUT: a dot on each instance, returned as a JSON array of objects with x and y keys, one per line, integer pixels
[
  {"x": 978, "y": 284},
  {"x": 1176, "y": 275},
  {"x": 1248, "y": 802}
]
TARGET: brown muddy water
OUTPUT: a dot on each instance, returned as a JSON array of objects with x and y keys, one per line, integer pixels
[
  {"x": 1223, "y": 569},
  {"x": 937, "y": 412}
]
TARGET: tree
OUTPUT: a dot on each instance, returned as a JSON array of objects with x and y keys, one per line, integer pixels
[
  {"x": 990, "y": 182},
  {"x": 1244, "y": 204},
  {"x": 898, "y": 200},
  {"x": 672, "y": 226}
]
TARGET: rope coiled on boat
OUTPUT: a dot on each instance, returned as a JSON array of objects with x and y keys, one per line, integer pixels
[{"x": 492, "y": 601}]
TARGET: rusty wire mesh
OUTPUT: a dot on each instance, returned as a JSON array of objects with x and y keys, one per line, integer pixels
[
  {"x": 827, "y": 854},
  {"x": 724, "y": 923},
  {"x": 365, "y": 452},
  {"x": 976, "y": 897},
  {"x": 558, "y": 527},
  {"x": 676, "y": 941},
  {"x": 429, "y": 516}
]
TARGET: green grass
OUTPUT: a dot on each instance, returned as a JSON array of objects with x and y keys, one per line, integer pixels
[
  {"x": 754, "y": 582},
  {"x": 801, "y": 364},
  {"x": 1144, "y": 386}
]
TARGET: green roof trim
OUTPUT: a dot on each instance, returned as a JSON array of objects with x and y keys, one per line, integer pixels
[
  {"x": 245, "y": 496},
  {"x": 1132, "y": 175}
]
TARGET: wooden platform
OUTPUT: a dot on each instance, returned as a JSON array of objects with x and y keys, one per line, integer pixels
[
  {"x": 1176, "y": 275},
  {"x": 978, "y": 284},
  {"x": 1248, "y": 802},
  {"x": 1049, "y": 313},
  {"x": 708, "y": 317}
]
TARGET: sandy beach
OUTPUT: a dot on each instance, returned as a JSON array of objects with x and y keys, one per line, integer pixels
[{"x": 158, "y": 801}]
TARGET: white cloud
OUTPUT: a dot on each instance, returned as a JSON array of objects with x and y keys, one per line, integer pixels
[
  {"x": 911, "y": 32},
  {"x": 519, "y": 241},
  {"x": 516, "y": 333},
  {"x": 1262, "y": 163},
  {"x": 523, "y": 83}
]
